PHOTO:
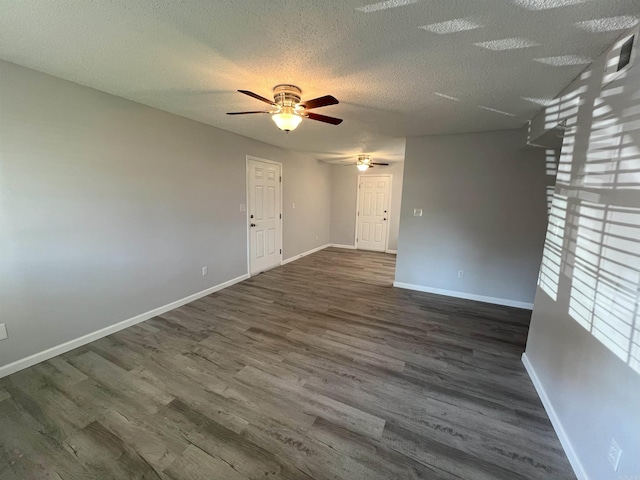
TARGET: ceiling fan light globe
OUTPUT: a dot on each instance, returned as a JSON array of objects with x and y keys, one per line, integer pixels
[
  {"x": 362, "y": 166},
  {"x": 286, "y": 121}
]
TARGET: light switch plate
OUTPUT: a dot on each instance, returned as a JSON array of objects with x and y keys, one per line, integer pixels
[
  {"x": 3, "y": 331},
  {"x": 243, "y": 207},
  {"x": 615, "y": 452},
  {"x": 417, "y": 212}
]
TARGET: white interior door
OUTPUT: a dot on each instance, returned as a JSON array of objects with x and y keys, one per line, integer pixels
[
  {"x": 373, "y": 208},
  {"x": 265, "y": 219}
]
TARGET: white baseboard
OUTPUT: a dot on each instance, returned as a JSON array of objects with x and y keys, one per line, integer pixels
[
  {"x": 575, "y": 462},
  {"x": 313, "y": 250},
  {"x": 466, "y": 296},
  {"x": 103, "y": 332},
  {"x": 337, "y": 245},
  {"x": 391, "y": 251}
]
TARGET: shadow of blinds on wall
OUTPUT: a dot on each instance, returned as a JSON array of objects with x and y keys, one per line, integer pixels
[{"x": 591, "y": 259}]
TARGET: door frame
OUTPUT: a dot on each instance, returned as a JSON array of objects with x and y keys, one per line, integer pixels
[
  {"x": 386, "y": 240},
  {"x": 246, "y": 190}
]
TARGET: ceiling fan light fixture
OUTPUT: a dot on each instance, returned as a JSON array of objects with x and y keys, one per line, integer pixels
[
  {"x": 362, "y": 166},
  {"x": 289, "y": 110},
  {"x": 287, "y": 120}
]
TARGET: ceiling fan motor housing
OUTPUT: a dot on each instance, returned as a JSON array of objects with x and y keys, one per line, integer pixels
[
  {"x": 286, "y": 95},
  {"x": 364, "y": 159}
]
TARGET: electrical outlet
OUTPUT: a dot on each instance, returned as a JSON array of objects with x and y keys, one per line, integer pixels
[
  {"x": 205, "y": 270},
  {"x": 293, "y": 205},
  {"x": 460, "y": 273},
  {"x": 615, "y": 452},
  {"x": 3, "y": 332},
  {"x": 243, "y": 207}
]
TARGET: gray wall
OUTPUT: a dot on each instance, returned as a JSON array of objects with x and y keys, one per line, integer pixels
[
  {"x": 109, "y": 209},
  {"x": 581, "y": 342},
  {"x": 344, "y": 197},
  {"x": 483, "y": 198}
]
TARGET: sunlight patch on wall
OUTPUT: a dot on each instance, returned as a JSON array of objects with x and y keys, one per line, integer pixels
[
  {"x": 549, "y": 277},
  {"x": 451, "y": 26},
  {"x": 564, "y": 110},
  {"x": 591, "y": 257},
  {"x": 563, "y": 176},
  {"x": 634, "y": 354},
  {"x": 551, "y": 169},
  {"x": 607, "y": 274},
  {"x": 588, "y": 223}
]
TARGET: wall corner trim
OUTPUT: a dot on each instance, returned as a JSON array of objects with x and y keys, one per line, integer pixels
[
  {"x": 575, "y": 462},
  {"x": 338, "y": 245},
  {"x": 31, "y": 360},
  {"x": 309, "y": 252},
  {"x": 466, "y": 296}
]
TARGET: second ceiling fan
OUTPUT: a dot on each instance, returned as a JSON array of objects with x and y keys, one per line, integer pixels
[
  {"x": 289, "y": 110},
  {"x": 364, "y": 162}
]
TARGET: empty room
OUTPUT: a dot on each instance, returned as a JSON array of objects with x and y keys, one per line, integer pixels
[{"x": 320, "y": 240}]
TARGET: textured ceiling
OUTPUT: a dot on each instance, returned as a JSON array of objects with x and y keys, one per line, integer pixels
[{"x": 399, "y": 67}]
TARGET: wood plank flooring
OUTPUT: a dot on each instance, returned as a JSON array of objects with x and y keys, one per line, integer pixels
[{"x": 315, "y": 370}]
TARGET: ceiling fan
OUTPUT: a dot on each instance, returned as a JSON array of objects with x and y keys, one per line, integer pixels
[
  {"x": 364, "y": 162},
  {"x": 289, "y": 110}
]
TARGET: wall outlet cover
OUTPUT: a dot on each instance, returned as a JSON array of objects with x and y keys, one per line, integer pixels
[
  {"x": 205, "y": 270},
  {"x": 3, "y": 331}
]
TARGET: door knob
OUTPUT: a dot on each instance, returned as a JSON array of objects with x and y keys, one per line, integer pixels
[
  {"x": 385, "y": 219},
  {"x": 253, "y": 224}
]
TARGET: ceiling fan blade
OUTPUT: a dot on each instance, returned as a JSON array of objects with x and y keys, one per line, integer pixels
[
  {"x": 246, "y": 113},
  {"x": 385, "y": 164},
  {"x": 323, "y": 118},
  {"x": 256, "y": 96},
  {"x": 320, "y": 102}
]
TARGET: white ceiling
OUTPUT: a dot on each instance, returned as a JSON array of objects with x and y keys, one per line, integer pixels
[{"x": 399, "y": 67}]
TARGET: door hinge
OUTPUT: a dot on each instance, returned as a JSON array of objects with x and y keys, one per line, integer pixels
[
  {"x": 280, "y": 251},
  {"x": 280, "y": 178},
  {"x": 281, "y": 216}
]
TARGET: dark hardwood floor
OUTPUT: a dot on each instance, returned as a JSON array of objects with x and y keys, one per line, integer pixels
[{"x": 315, "y": 370}]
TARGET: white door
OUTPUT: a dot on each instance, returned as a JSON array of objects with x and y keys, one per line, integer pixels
[
  {"x": 373, "y": 208},
  {"x": 265, "y": 219}
]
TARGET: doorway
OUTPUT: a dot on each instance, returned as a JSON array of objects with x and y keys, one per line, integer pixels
[
  {"x": 264, "y": 201},
  {"x": 372, "y": 212}
]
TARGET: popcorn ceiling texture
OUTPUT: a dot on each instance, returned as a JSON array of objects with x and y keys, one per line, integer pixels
[{"x": 381, "y": 60}]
